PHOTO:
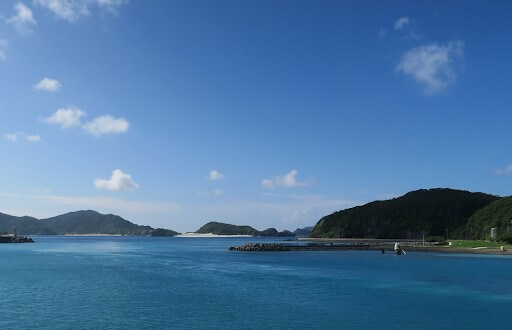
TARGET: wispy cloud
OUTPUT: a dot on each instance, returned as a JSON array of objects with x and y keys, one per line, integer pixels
[
  {"x": 48, "y": 84},
  {"x": 401, "y": 23},
  {"x": 13, "y": 137},
  {"x": 382, "y": 33},
  {"x": 286, "y": 212},
  {"x": 218, "y": 192},
  {"x": 33, "y": 138},
  {"x": 106, "y": 125},
  {"x": 23, "y": 21},
  {"x": 214, "y": 192},
  {"x": 504, "y": 171},
  {"x": 215, "y": 175},
  {"x": 102, "y": 204},
  {"x": 432, "y": 65},
  {"x": 66, "y": 117},
  {"x": 72, "y": 10},
  {"x": 288, "y": 180},
  {"x": 3, "y": 47},
  {"x": 119, "y": 181}
]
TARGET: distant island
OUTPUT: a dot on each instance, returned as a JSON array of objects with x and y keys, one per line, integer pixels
[
  {"x": 79, "y": 223},
  {"x": 214, "y": 228},
  {"x": 89, "y": 222},
  {"x": 437, "y": 212}
]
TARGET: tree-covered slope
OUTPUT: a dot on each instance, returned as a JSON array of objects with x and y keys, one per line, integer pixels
[
  {"x": 24, "y": 225},
  {"x": 79, "y": 222},
  {"x": 220, "y": 228},
  {"x": 497, "y": 214},
  {"x": 303, "y": 232},
  {"x": 431, "y": 211},
  {"x": 92, "y": 222}
]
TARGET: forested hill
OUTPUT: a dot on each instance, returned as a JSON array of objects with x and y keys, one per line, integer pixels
[
  {"x": 79, "y": 222},
  {"x": 431, "y": 211},
  {"x": 220, "y": 228},
  {"x": 497, "y": 214},
  {"x": 87, "y": 222}
]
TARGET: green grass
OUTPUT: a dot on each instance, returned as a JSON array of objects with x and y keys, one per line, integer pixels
[{"x": 474, "y": 244}]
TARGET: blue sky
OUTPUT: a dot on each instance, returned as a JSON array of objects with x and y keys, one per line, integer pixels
[{"x": 267, "y": 113}]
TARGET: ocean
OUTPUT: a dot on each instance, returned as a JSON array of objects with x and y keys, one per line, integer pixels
[{"x": 197, "y": 283}]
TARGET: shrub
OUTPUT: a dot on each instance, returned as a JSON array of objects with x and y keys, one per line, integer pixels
[
  {"x": 435, "y": 239},
  {"x": 507, "y": 238}
]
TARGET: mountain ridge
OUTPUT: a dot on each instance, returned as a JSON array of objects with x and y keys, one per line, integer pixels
[{"x": 81, "y": 222}]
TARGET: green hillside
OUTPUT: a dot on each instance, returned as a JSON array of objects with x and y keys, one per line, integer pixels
[
  {"x": 430, "y": 211},
  {"x": 220, "y": 228},
  {"x": 89, "y": 222},
  {"x": 79, "y": 222},
  {"x": 497, "y": 214},
  {"x": 24, "y": 225}
]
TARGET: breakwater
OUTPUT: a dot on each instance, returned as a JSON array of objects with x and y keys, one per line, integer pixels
[
  {"x": 360, "y": 246},
  {"x": 278, "y": 247},
  {"x": 16, "y": 239}
]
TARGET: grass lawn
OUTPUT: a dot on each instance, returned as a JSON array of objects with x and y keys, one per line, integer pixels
[{"x": 474, "y": 244}]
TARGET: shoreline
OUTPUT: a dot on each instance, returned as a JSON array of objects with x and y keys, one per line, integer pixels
[
  {"x": 209, "y": 235},
  {"x": 99, "y": 235}
]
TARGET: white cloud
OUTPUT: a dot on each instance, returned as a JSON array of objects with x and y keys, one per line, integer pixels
[
  {"x": 401, "y": 23},
  {"x": 48, "y": 84},
  {"x": 71, "y": 10},
  {"x": 215, "y": 175},
  {"x": 3, "y": 46},
  {"x": 24, "y": 20},
  {"x": 432, "y": 65},
  {"x": 504, "y": 171},
  {"x": 66, "y": 117},
  {"x": 119, "y": 181},
  {"x": 15, "y": 136},
  {"x": 288, "y": 180},
  {"x": 107, "y": 125},
  {"x": 33, "y": 138}
]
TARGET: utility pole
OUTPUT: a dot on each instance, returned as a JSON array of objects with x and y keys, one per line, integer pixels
[
  {"x": 446, "y": 233},
  {"x": 409, "y": 234}
]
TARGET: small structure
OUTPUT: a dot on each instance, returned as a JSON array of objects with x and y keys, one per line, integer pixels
[
  {"x": 398, "y": 249},
  {"x": 494, "y": 232}
]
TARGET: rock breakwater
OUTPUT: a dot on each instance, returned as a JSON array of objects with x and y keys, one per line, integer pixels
[
  {"x": 16, "y": 239},
  {"x": 277, "y": 247}
]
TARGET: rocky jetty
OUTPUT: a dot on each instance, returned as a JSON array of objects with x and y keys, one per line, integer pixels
[
  {"x": 261, "y": 247},
  {"x": 16, "y": 239},
  {"x": 277, "y": 247}
]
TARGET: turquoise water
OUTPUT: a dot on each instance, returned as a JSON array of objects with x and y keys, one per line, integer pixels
[{"x": 149, "y": 282}]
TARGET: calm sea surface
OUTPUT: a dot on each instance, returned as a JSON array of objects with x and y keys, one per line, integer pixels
[{"x": 164, "y": 283}]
